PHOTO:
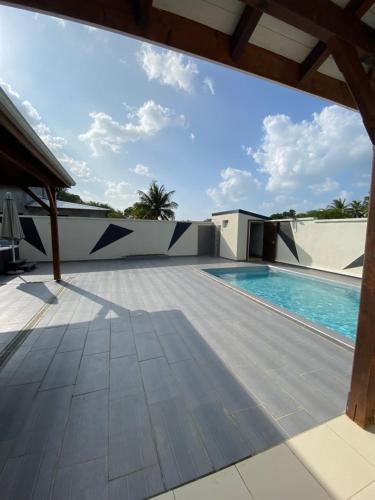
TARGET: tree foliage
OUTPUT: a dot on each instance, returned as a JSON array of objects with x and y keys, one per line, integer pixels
[{"x": 337, "y": 209}]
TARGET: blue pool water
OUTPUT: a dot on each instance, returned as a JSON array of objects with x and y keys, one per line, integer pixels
[{"x": 326, "y": 303}]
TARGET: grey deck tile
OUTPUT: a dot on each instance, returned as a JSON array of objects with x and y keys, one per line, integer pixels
[
  {"x": 131, "y": 445},
  {"x": 141, "y": 322},
  {"x": 97, "y": 341},
  {"x": 122, "y": 344},
  {"x": 297, "y": 422},
  {"x": 174, "y": 347},
  {"x": 182, "y": 454},
  {"x": 100, "y": 324},
  {"x": 162, "y": 323},
  {"x": 229, "y": 389},
  {"x": 223, "y": 440},
  {"x": 125, "y": 377},
  {"x": 49, "y": 337},
  {"x": 278, "y": 401},
  {"x": 329, "y": 384},
  {"x": 93, "y": 374},
  {"x": 137, "y": 486},
  {"x": 158, "y": 380},
  {"x": 15, "y": 403},
  {"x": 121, "y": 324},
  {"x": 82, "y": 481},
  {"x": 73, "y": 340},
  {"x": 196, "y": 387},
  {"x": 45, "y": 423},
  {"x": 33, "y": 367},
  {"x": 29, "y": 477},
  {"x": 309, "y": 397},
  {"x": 260, "y": 429},
  {"x": 86, "y": 435},
  {"x": 148, "y": 346},
  {"x": 63, "y": 370}
]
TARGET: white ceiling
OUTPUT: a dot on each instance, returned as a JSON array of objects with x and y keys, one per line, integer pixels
[{"x": 270, "y": 33}]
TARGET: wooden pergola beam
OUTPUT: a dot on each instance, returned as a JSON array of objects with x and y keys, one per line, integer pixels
[
  {"x": 320, "y": 18},
  {"x": 361, "y": 402},
  {"x": 244, "y": 29},
  {"x": 142, "y": 12},
  {"x": 36, "y": 198},
  {"x": 170, "y": 30},
  {"x": 320, "y": 52}
]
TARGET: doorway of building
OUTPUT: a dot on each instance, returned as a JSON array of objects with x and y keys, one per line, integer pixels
[{"x": 255, "y": 247}]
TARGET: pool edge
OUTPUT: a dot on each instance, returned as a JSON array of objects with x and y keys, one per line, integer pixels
[{"x": 331, "y": 336}]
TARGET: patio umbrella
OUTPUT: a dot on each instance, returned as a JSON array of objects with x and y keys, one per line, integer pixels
[{"x": 11, "y": 226}]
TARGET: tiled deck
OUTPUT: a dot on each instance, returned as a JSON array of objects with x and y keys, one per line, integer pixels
[{"x": 144, "y": 375}]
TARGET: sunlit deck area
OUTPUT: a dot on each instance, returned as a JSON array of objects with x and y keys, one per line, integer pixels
[{"x": 138, "y": 376}]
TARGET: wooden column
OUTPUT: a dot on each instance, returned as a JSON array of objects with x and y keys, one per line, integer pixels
[
  {"x": 51, "y": 192},
  {"x": 361, "y": 401}
]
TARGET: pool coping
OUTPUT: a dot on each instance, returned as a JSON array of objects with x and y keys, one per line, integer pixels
[{"x": 317, "y": 330}]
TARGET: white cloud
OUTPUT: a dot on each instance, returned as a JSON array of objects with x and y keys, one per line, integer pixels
[
  {"x": 209, "y": 84},
  {"x": 31, "y": 111},
  {"x": 60, "y": 22},
  {"x": 53, "y": 142},
  {"x": 120, "y": 194},
  {"x": 326, "y": 186},
  {"x": 76, "y": 167},
  {"x": 168, "y": 67},
  {"x": 105, "y": 133},
  {"x": 192, "y": 136},
  {"x": 295, "y": 154},
  {"x": 237, "y": 185},
  {"x": 140, "y": 169}
]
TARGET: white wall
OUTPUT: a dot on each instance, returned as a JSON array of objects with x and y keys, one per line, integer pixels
[
  {"x": 233, "y": 238},
  {"x": 325, "y": 244},
  {"x": 79, "y": 235}
]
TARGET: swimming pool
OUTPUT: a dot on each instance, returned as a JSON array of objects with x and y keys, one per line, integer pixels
[{"x": 327, "y": 303}]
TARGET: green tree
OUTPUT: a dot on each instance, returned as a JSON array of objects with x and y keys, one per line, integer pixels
[
  {"x": 155, "y": 204},
  {"x": 64, "y": 195},
  {"x": 339, "y": 204},
  {"x": 357, "y": 209},
  {"x": 365, "y": 203}
]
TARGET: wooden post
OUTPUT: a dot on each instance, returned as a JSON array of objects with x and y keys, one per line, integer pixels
[
  {"x": 51, "y": 192},
  {"x": 361, "y": 401}
]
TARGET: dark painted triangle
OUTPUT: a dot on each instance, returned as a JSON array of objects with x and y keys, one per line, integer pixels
[
  {"x": 110, "y": 235},
  {"x": 179, "y": 230},
  {"x": 356, "y": 263},
  {"x": 286, "y": 233},
  {"x": 31, "y": 234}
]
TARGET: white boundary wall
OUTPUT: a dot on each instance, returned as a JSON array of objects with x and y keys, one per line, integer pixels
[
  {"x": 79, "y": 235},
  {"x": 329, "y": 245}
]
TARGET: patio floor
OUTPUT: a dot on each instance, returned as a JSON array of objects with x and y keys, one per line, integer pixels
[{"x": 143, "y": 375}]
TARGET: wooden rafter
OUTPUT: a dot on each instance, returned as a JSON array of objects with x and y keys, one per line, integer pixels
[
  {"x": 142, "y": 12},
  {"x": 178, "y": 32},
  {"x": 320, "y": 52},
  {"x": 322, "y": 19},
  {"x": 36, "y": 198},
  {"x": 244, "y": 29}
]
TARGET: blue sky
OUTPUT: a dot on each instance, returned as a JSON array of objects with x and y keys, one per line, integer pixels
[{"x": 118, "y": 113}]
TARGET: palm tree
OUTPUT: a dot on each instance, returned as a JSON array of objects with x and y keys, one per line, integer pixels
[
  {"x": 340, "y": 204},
  {"x": 365, "y": 204},
  {"x": 357, "y": 209},
  {"x": 156, "y": 203}
]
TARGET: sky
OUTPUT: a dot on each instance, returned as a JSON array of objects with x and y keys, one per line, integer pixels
[{"x": 118, "y": 113}]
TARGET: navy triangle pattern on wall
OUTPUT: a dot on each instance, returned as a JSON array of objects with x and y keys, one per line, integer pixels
[
  {"x": 31, "y": 234},
  {"x": 179, "y": 230},
  {"x": 110, "y": 235},
  {"x": 356, "y": 263},
  {"x": 286, "y": 233}
]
